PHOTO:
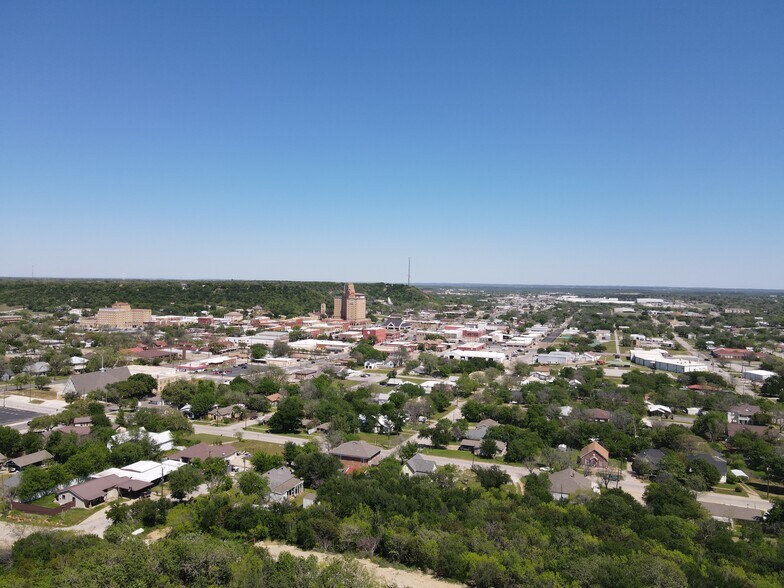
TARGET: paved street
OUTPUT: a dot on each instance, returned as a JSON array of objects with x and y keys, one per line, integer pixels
[{"x": 9, "y": 416}]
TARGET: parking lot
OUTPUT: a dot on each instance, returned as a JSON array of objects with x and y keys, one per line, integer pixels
[{"x": 15, "y": 415}]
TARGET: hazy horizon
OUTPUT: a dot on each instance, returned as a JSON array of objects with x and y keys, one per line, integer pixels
[{"x": 418, "y": 284}]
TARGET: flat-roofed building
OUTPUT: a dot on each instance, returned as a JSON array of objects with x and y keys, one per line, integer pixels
[{"x": 119, "y": 315}]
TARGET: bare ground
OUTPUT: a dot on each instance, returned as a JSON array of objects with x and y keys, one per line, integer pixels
[{"x": 401, "y": 578}]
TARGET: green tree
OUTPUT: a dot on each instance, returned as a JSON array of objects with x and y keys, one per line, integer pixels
[
  {"x": 253, "y": 484},
  {"x": 440, "y": 434},
  {"x": 281, "y": 349},
  {"x": 42, "y": 382},
  {"x": 316, "y": 468},
  {"x": 537, "y": 488},
  {"x": 288, "y": 417},
  {"x": 258, "y": 351},
  {"x": 202, "y": 403},
  {"x": 670, "y": 498},
  {"x": 711, "y": 425},
  {"x": 773, "y": 388},
  {"x": 488, "y": 448},
  {"x": 264, "y": 462},
  {"x": 184, "y": 480},
  {"x": 492, "y": 477},
  {"x": 407, "y": 451}
]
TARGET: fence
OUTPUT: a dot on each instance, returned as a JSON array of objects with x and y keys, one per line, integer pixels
[{"x": 42, "y": 510}]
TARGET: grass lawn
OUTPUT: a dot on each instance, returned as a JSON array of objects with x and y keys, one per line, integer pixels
[
  {"x": 457, "y": 454},
  {"x": 245, "y": 445},
  {"x": 68, "y": 518},
  {"x": 265, "y": 429},
  {"x": 728, "y": 489},
  {"x": 380, "y": 440}
]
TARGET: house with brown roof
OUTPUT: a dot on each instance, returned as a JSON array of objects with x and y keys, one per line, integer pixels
[
  {"x": 74, "y": 430},
  {"x": 37, "y": 458},
  {"x": 594, "y": 455},
  {"x": 758, "y": 430},
  {"x": 203, "y": 451},
  {"x": 357, "y": 454},
  {"x": 98, "y": 490},
  {"x": 598, "y": 415},
  {"x": 83, "y": 421}
]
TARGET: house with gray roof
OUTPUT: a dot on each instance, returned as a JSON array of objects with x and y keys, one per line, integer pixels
[
  {"x": 419, "y": 466},
  {"x": 37, "y": 458},
  {"x": 83, "y": 384},
  {"x": 283, "y": 484},
  {"x": 567, "y": 483}
]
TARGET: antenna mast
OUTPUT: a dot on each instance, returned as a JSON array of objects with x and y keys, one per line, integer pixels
[{"x": 409, "y": 271}]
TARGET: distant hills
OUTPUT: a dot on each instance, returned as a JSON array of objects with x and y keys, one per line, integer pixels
[{"x": 191, "y": 296}]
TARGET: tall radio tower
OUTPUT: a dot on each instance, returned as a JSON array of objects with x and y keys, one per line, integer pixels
[{"x": 409, "y": 271}]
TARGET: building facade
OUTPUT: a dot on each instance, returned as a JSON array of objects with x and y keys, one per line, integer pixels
[
  {"x": 119, "y": 316},
  {"x": 350, "y": 306}
]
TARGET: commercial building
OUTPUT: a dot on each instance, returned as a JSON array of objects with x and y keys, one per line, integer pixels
[
  {"x": 730, "y": 353},
  {"x": 758, "y": 375},
  {"x": 661, "y": 360},
  {"x": 350, "y": 306},
  {"x": 119, "y": 316},
  {"x": 459, "y": 354}
]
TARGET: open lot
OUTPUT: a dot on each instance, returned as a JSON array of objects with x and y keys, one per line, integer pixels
[{"x": 15, "y": 415}]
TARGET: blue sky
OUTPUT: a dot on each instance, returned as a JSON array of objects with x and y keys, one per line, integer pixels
[{"x": 504, "y": 142}]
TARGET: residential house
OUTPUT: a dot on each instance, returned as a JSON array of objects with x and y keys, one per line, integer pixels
[
  {"x": 659, "y": 410},
  {"x": 74, "y": 430},
  {"x": 99, "y": 490},
  {"x": 567, "y": 483},
  {"x": 742, "y": 414},
  {"x": 594, "y": 455},
  {"x": 283, "y": 484},
  {"x": 37, "y": 458},
  {"x": 83, "y": 421},
  {"x": 758, "y": 430},
  {"x": 357, "y": 454},
  {"x": 202, "y": 451},
  {"x": 419, "y": 466},
  {"x": 716, "y": 460},
  {"x": 39, "y": 368},
  {"x": 221, "y": 412},
  {"x": 651, "y": 457},
  {"x": 598, "y": 415}
]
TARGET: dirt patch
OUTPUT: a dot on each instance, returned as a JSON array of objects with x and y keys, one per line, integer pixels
[
  {"x": 401, "y": 578},
  {"x": 157, "y": 534}
]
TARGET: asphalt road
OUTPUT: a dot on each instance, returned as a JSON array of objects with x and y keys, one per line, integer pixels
[{"x": 10, "y": 415}]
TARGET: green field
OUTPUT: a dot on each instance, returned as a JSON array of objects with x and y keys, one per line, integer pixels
[
  {"x": 245, "y": 445},
  {"x": 462, "y": 455}
]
